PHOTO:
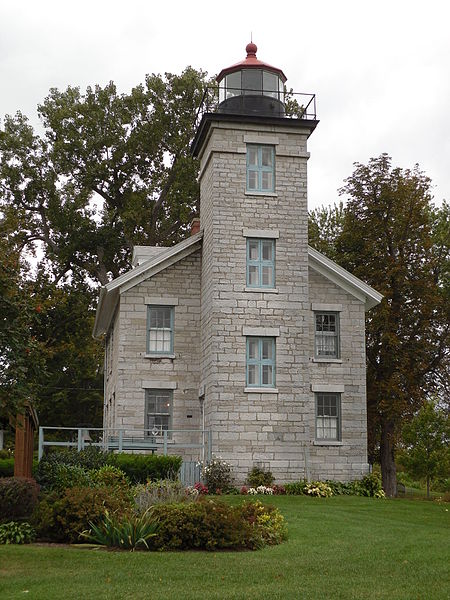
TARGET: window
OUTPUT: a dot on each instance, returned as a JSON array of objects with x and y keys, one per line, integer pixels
[
  {"x": 158, "y": 411},
  {"x": 260, "y": 361},
  {"x": 260, "y": 263},
  {"x": 326, "y": 334},
  {"x": 328, "y": 416},
  {"x": 260, "y": 168},
  {"x": 160, "y": 329}
]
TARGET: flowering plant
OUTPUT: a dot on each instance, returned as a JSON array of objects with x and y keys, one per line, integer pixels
[
  {"x": 201, "y": 488},
  {"x": 319, "y": 489},
  {"x": 217, "y": 475}
]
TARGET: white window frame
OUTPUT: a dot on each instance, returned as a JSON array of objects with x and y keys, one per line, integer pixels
[
  {"x": 165, "y": 418},
  {"x": 323, "y": 335},
  {"x": 156, "y": 307},
  {"x": 323, "y": 422}
]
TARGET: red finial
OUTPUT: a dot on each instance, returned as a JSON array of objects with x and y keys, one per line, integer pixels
[{"x": 251, "y": 49}]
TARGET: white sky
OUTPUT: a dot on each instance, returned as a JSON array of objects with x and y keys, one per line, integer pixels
[{"x": 380, "y": 70}]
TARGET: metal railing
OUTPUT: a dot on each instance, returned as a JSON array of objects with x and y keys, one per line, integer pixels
[
  {"x": 288, "y": 104},
  {"x": 126, "y": 439}
]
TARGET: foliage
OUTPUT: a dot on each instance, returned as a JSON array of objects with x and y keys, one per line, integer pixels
[
  {"x": 128, "y": 532},
  {"x": 426, "y": 440},
  {"x": 62, "y": 517},
  {"x": 109, "y": 171},
  {"x": 140, "y": 467},
  {"x": 390, "y": 235},
  {"x": 295, "y": 488},
  {"x": 109, "y": 476},
  {"x": 57, "y": 468},
  {"x": 18, "y": 497},
  {"x": 162, "y": 491},
  {"x": 16, "y": 533},
  {"x": 7, "y": 467},
  {"x": 258, "y": 476},
  {"x": 217, "y": 475},
  {"x": 268, "y": 521},
  {"x": 201, "y": 489},
  {"x": 370, "y": 485},
  {"x": 213, "y": 525},
  {"x": 261, "y": 489},
  {"x": 319, "y": 489},
  {"x": 340, "y": 488},
  {"x": 22, "y": 354}
]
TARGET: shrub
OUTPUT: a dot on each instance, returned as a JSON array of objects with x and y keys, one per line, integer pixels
[
  {"x": 268, "y": 521},
  {"x": 369, "y": 485},
  {"x": 16, "y": 533},
  {"x": 129, "y": 532},
  {"x": 341, "y": 489},
  {"x": 67, "y": 476},
  {"x": 18, "y": 497},
  {"x": 319, "y": 489},
  {"x": 58, "y": 469},
  {"x": 296, "y": 488},
  {"x": 279, "y": 490},
  {"x": 211, "y": 525},
  {"x": 7, "y": 467},
  {"x": 258, "y": 477},
  {"x": 109, "y": 475},
  {"x": 141, "y": 467},
  {"x": 64, "y": 517},
  {"x": 158, "y": 492},
  {"x": 217, "y": 475}
]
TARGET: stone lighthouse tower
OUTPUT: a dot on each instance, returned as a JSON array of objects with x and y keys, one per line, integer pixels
[
  {"x": 255, "y": 305},
  {"x": 244, "y": 315}
]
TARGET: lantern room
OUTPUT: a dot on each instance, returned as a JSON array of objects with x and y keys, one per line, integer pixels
[{"x": 252, "y": 87}]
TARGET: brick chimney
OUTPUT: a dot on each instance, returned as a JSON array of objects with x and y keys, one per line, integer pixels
[{"x": 195, "y": 226}]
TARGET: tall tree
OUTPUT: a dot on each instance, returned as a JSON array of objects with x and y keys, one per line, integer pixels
[
  {"x": 426, "y": 439},
  {"x": 110, "y": 171},
  {"x": 391, "y": 236}
]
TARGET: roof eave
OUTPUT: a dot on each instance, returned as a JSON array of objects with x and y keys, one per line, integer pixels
[{"x": 344, "y": 279}]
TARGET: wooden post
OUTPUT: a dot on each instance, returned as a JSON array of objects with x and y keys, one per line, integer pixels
[{"x": 26, "y": 423}]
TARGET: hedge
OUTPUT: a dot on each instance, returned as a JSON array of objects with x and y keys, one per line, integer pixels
[
  {"x": 7, "y": 467},
  {"x": 141, "y": 467}
]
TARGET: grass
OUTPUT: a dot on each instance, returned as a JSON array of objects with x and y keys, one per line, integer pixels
[{"x": 343, "y": 547}]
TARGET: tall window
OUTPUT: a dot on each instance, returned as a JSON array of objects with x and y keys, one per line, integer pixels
[
  {"x": 260, "y": 361},
  {"x": 160, "y": 329},
  {"x": 326, "y": 335},
  {"x": 260, "y": 263},
  {"x": 158, "y": 411},
  {"x": 260, "y": 168},
  {"x": 328, "y": 416}
]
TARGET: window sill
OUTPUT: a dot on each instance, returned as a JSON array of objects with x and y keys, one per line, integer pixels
[
  {"x": 261, "y": 390},
  {"x": 327, "y": 443},
  {"x": 156, "y": 355},
  {"x": 261, "y": 290},
  {"x": 336, "y": 361},
  {"x": 255, "y": 193}
]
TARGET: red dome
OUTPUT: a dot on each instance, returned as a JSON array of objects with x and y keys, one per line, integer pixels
[{"x": 251, "y": 62}]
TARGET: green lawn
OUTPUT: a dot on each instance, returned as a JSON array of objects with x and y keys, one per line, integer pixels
[{"x": 342, "y": 547}]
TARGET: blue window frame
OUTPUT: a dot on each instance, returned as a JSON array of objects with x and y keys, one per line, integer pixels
[
  {"x": 260, "y": 263},
  {"x": 260, "y": 168},
  {"x": 160, "y": 329},
  {"x": 260, "y": 362}
]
